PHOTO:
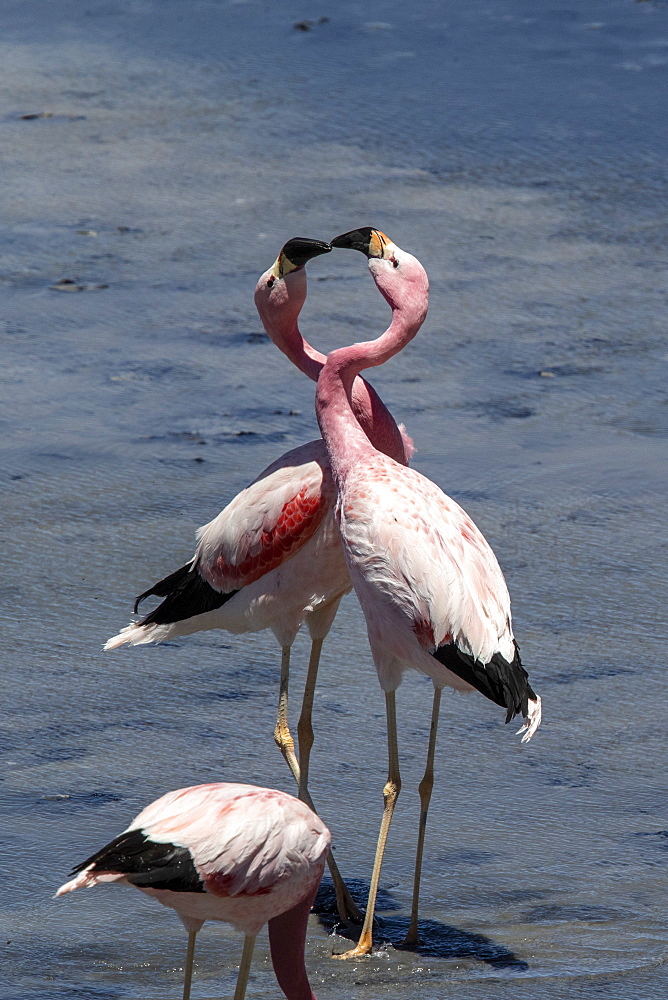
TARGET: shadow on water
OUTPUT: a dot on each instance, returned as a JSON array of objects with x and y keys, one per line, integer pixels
[{"x": 437, "y": 940}]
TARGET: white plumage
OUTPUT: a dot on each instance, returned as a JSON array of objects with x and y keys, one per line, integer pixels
[{"x": 393, "y": 546}]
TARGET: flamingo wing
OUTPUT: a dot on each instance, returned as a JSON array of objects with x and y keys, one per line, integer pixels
[
  {"x": 425, "y": 558},
  {"x": 268, "y": 521},
  {"x": 243, "y": 840},
  {"x": 264, "y": 525},
  {"x": 185, "y": 593},
  {"x": 226, "y": 838},
  {"x": 421, "y": 549},
  {"x": 140, "y": 861}
]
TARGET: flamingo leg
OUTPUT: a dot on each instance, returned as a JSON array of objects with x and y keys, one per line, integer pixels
[
  {"x": 426, "y": 786},
  {"x": 390, "y": 796},
  {"x": 345, "y": 904},
  {"x": 244, "y": 967},
  {"x": 188, "y": 972},
  {"x": 305, "y": 726},
  {"x": 282, "y": 734}
]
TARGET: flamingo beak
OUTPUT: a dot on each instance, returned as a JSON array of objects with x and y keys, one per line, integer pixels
[
  {"x": 297, "y": 252},
  {"x": 370, "y": 242}
]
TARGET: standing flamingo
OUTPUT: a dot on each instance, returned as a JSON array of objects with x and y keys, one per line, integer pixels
[
  {"x": 272, "y": 558},
  {"x": 432, "y": 592},
  {"x": 279, "y": 303},
  {"x": 237, "y": 853}
]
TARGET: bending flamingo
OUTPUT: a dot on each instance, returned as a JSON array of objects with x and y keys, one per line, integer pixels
[
  {"x": 432, "y": 592},
  {"x": 272, "y": 558},
  {"x": 237, "y": 853}
]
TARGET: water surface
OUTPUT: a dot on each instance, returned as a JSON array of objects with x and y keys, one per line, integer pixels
[{"x": 155, "y": 157}]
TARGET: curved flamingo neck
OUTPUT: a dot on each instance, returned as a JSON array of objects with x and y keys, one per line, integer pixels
[
  {"x": 290, "y": 341},
  {"x": 287, "y": 940},
  {"x": 376, "y": 421},
  {"x": 343, "y": 435}
]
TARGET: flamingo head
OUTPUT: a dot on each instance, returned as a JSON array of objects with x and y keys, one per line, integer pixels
[
  {"x": 281, "y": 291},
  {"x": 399, "y": 277}
]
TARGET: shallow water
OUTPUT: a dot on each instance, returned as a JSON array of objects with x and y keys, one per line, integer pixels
[{"x": 519, "y": 151}]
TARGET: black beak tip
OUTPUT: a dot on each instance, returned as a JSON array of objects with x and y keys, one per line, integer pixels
[
  {"x": 356, "y": 239},
  {"x": 299, "y": 249}
]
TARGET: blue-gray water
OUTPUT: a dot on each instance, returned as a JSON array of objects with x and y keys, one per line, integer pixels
[{"x": 518, "y": 149}]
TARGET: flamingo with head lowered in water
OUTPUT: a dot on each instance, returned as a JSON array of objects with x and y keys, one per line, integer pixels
[
  {"x": 237, "y": 853},
  {"x": 430, "y": 587}
]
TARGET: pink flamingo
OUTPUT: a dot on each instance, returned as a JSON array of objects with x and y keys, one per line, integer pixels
[
  {"x": 237, "y": 853},
  {"x": 272, "y": 558},
  {"x": 432, "y": 592}
]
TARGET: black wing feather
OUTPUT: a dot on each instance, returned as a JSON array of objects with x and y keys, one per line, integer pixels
[
  {"x": 506, "y": 684},
  {"x": 186, "y": 594},
  {"x": 146, "y": 863}
]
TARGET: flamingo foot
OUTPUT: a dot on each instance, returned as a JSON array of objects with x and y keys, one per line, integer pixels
[
  {"x": 360, "y": 951},
  {"x": 412, "y": 940}
]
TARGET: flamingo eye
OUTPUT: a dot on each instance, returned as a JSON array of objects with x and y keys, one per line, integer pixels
[
  {"x": 271, "y": 281},
  {"x": 395, "y": 262}
]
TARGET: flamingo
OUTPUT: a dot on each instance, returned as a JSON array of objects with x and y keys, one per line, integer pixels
[
  {"x": 430, "y": 587},
  {"x": 225, "y": 851},
  {"x": 272, "y": 558}
]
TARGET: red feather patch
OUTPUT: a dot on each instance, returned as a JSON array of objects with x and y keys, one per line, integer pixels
[{"x": 297, "y": 522}]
